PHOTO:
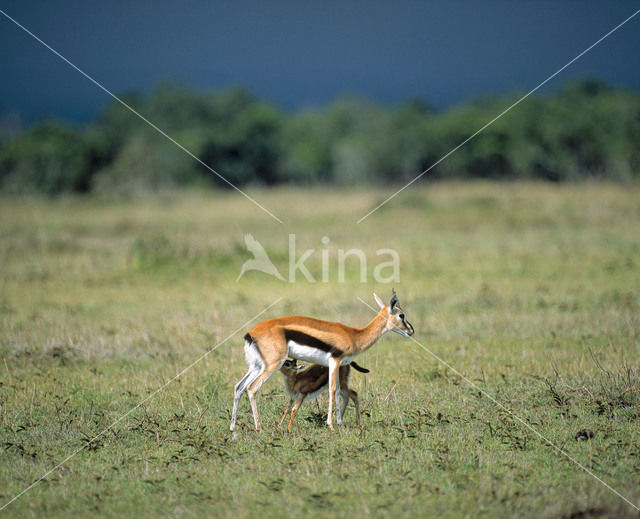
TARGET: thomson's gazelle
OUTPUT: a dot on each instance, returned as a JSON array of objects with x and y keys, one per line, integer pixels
[
  {"x": 331, "y": 344},
  {"x": 302, "y": 385}
]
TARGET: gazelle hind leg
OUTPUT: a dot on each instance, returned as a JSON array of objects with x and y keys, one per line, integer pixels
[
  {"x": 256, "y": 367},
  {"x": 255, "y": 386},
  {"x": 240, "y": 388}
]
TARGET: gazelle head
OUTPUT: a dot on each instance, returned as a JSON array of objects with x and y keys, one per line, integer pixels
[
  {"x": 290, "y": 367},
  {"x": 396, "y": 321}
]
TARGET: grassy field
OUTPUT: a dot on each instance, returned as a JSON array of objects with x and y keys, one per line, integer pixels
[{"x": 531, "y": 291}]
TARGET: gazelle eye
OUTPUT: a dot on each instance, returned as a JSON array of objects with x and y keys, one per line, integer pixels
[{"x": 401, "y": 316}]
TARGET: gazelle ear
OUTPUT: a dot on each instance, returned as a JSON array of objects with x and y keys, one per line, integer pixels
[
  {"x": 378, "y": 300},
  {"x": 394, "y": 301}
]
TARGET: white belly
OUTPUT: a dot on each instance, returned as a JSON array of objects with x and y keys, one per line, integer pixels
[{"x": 309, "y": 354}]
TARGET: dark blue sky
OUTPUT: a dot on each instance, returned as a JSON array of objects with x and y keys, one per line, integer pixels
[{"x": 299, "y": 54}]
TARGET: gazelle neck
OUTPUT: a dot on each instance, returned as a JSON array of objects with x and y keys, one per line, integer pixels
[{"x": 368, "y": 335}]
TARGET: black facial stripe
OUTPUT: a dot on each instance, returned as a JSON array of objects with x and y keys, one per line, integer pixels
[
  {"x": 313, "y": 342},
  {"x": 407, "y": 324}
]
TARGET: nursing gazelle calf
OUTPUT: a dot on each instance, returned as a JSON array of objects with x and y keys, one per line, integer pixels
[
  {"x": 308, "y": 384},
  {"x": 330, "y": 344}
]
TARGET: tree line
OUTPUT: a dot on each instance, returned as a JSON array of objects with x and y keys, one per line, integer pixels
[{"x": 585, "y": 129}]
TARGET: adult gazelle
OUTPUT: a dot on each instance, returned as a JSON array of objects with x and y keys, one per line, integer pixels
[{"x": 268, "y": 344}]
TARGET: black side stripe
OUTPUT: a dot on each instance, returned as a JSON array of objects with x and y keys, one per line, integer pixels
[
  {"x": 311, "y": 341},
  {"x": 248, "y": 338}
]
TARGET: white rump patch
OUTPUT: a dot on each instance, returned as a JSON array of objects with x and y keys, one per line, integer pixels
[{"x": 254, "y": 359}]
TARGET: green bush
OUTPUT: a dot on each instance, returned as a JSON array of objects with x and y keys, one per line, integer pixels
[
  {"x": 584, "y": 130},
  {"x": 48, "y": 158}
]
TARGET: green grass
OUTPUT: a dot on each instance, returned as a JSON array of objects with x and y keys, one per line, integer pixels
[{"x": 530, "y": 290}]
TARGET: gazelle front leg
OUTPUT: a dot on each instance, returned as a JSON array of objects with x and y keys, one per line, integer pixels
[
  {"x": 286, "y": 412},
  {"x": 339, "y": 409},
  {"x": 344, "y": 399},
  {"x": 295, "y": 410},
  {"x": 334, "y": 370},
  {"x": 354, "y": 397}
]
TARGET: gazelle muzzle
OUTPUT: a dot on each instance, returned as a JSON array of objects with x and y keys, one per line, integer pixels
[{"x": 405, "y": 333}]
